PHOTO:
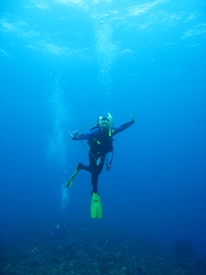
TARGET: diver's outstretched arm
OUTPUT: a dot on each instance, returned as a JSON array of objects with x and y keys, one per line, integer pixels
[
  {"x": 123, "y": 126},
  {"x": 75, "y": 135}
]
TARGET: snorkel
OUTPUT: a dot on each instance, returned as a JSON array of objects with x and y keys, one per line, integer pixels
[{"x": 110, "y": 121}]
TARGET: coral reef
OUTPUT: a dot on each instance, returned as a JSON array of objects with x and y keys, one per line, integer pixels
[{"x": 86, "y": 252}]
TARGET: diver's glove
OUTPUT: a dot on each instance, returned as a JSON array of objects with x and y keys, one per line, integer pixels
[
  {"x": 132, "y": 121},
  {"x": 74, "y": 135}
]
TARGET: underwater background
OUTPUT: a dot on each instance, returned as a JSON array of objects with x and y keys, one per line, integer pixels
[{"x": 64, "y": 63}]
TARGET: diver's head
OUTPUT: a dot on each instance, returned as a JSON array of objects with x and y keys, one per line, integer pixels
[{"x": 105, "y": 122}]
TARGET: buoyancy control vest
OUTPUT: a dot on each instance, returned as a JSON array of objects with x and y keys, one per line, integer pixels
[{"x": 103, "y": 142}]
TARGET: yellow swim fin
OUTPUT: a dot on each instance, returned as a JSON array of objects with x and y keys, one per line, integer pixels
[
  {"x": 69, "y": 183},
  {"x": 96, "y": 207}
]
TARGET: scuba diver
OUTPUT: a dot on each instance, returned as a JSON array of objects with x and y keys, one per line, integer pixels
[{"x": 100, "y": 140}]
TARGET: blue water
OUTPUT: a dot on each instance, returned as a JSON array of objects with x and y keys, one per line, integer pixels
[{"x": 63, "y": 64}]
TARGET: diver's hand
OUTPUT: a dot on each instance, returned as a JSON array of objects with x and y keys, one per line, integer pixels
[
  {"x": 132, "y": 118},
  {"x": 74, "y": 135}
]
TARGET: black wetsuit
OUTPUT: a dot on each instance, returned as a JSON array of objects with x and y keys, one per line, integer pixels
[{"x": 100, "y": 143}]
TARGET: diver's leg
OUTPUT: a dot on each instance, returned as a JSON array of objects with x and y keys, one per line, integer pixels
[
  {"x": 96, "y": 171},
  {"x": 84, "y": 167},
  {"x": 93, "y": 167},
  {"x": 87, "y": 167},
  {"x": 94, "y": 180},
  {"x": 96, "y": 207}
]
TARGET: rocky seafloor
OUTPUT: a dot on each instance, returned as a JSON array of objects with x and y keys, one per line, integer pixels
[{"x": 79, "y": 251}]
